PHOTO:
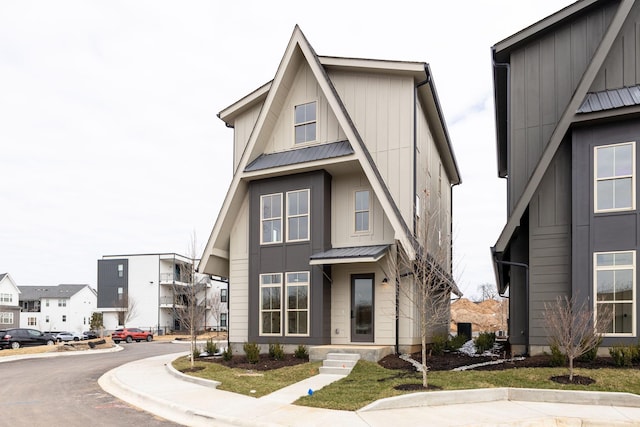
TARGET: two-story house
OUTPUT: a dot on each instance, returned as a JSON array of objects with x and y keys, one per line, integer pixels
[
  {"x": 57, "y": 308},
  {"x": 567, "y": 103},
  {"x": 144, "y": 290},
  {"x": 333, "y": 161},
  {"x": 9, "y": 307}
]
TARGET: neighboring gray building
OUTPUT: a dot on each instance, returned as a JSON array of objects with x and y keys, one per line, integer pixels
[
  {"x": 567, "y": 103},
  {"x": 9, "y": 298},
  {"x": 334, "y": 160}
]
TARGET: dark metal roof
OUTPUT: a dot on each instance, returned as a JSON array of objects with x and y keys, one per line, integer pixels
[
  {"x": 301, "y": 155},
  {"x": 32, "y": 293},
  {"x": 2, "y": 275},
  {"x": 354, "y": 252},
  {"x": 610, "y": 99}
]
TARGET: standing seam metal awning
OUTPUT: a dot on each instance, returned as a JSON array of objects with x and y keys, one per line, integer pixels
[{"x": 349, "y": 255}]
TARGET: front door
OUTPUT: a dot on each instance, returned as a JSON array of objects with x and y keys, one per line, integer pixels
[{"x": 362, "y": 312}]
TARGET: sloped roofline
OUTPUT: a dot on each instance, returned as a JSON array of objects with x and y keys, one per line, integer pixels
[
  {"x": 566, "y": 119},
  {"x": 268, "y": 92}
]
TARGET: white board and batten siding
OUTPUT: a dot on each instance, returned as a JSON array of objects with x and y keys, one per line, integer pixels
[{"x": 239, "y": 276}]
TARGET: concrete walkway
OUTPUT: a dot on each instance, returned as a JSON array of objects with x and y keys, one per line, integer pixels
[{"x": 151, "y": 385}]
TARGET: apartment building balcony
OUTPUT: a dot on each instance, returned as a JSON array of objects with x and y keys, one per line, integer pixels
[{"x": 172, "y": 279}]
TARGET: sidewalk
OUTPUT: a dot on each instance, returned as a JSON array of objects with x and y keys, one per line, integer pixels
[{"x": 150, "y": 385}]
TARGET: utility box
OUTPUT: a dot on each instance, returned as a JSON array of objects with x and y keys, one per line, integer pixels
[{"x": 464, "y": 329}]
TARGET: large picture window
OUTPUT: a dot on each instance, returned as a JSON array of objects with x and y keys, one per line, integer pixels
[
  {"x": 615, "y": 278},
  {"x": 614, "y": 170},
  {"x": 362, "y": 211},
  {"x": 270, "y": 304},
  {"x": 298, "y": 215},
  {"x": 271, "y": 218},
  {"x": 297, "y": 303},
  {"x": 305, "y": 122}
]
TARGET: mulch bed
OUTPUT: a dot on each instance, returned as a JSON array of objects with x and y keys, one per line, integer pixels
[{"x": 264, "y": 364}]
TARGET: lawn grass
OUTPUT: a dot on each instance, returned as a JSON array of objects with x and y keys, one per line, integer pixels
[
  {"x": 369, "y": 382},
  {"x": 243, "y": 381}
]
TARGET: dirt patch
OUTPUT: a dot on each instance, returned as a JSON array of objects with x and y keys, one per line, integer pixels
[
  {"x": 265, "y": 363},
  {"x": 417, "y": 387},
  {"x": 577, "y": 379}
]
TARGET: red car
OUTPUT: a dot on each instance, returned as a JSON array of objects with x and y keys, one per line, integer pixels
[{"x": 130, "y": 335}]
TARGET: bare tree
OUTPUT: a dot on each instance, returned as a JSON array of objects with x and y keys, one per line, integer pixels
[
  {"x": 424, "y": 280},
  {"x": 189, "y": 298},
  {"x": 127, "y": 308},
  {"x": 216, "y": 308},
  {"x": 488, "y": 291},
  {"x": 574, "y": 327}
]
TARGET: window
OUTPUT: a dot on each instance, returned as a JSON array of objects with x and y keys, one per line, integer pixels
[
  {"x": 298, "y": 215},
  {"x": 120, "y": 270},
  {"x": 6, "y": 298},
  {"x": 614, "y": 177},
  {"x": 46, "y": 319},
  {"x": 223, "y": 295},
  {"x": 615, "y": 289},
  {"x": 362, "y": 211},
  {"x": 62, "y": 303},
  {"x": 120, "y": 294},
  {"x": 46, "y": 302},
  {"x": 31, "y": 321},
  {"x": 223, "y": 320},
  {"x": 6, "y": 318},
  {"x": 297, "y": 303},
  {"x": 271, "y": 218},
  {"x": 270, "y": 304},
  {"x": 64, "y": 317},
  {"x": 305, "y": 122}
]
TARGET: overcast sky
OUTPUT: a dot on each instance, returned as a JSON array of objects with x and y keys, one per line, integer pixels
[{"x": 109, "y": 140}]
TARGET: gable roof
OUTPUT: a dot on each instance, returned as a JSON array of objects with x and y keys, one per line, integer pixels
[
  {"x": 569, "y": 114},
  {"x": 271, "y": 95},
  {"x": 32, "y": 293}
]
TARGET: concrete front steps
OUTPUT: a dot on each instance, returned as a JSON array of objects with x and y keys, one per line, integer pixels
[{"x": 339, "y": 363}]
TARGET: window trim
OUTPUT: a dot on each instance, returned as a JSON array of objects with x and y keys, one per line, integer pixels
[
  {"x": 305, "y": 124},
  {"x": 613, "y": 178},
  {"x": 308, "y": 215},
  {"x": 260, "y": 287},
  {"x": 262, "y": 220},
  {"x": 286, "y": 303},
  {"x": 356, "y": 211},
  {"x": 6, "y": 318},
  {"x": 633, "y": 289}
]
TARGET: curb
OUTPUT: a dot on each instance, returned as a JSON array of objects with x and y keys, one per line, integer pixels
[
  {"x": 455, "y": 397},
  {"x": 196, "y": 380},
  {"x": 113, "y": 349}
]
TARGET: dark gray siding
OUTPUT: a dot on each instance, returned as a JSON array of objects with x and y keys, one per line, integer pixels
[
  {"x": 109, "y": 282},
  {"x": 544, "y": 75},
  {"x": 550, "y": 242},
  {"x": 518, "y": 301},
  {"x": 622, "y": 65},
  {"x": 290, "y": 257},
  {"x": 592, "y": 232}
]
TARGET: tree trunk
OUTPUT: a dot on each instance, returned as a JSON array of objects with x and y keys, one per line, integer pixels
[{"x": 570, "y": 369}]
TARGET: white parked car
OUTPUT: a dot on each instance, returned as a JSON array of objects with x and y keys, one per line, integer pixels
[{"x": 69, "y": 336}]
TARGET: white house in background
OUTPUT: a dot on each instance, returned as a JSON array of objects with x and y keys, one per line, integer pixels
[
  {"x": 57, "y": 308},
  {"x": 9, "y": 307},
  {"x": 142, "y": 290}
]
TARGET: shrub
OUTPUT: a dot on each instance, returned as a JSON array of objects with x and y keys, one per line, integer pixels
[
  {"x": 484, "y": 341},
  {"x": 276, "y": 351},
  {"x": 438, "y": 344},
  {"x": 591, "y": 354},
  {"x": 196, "y": 352},
  {"x": 623, "y": 355},
  {"x": 252, "y": 351},
  {"x": 227, "y": 354},
  {"x": 557, "y": 357},
  {"x": 211, "y": 347},
  {"x": 301, "y": 352},
  {"x": 456, "y": 342}
]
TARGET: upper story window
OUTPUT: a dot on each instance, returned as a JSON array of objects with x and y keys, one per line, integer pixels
[
  {"x": 615, "y": 278},
  {"x": 298, "y": 215},
  {"x": 305, "y": 122},
  {"x": 120, "y": 270},
  {"x": 62, "y": 303},
  {"x": 6, "y": 297},
  {"x": 223, "y": 295},
  {"x": 614, "y": 177},
  {"x": 362, "y": 211},
  {"x": 271, "y": 218}
]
